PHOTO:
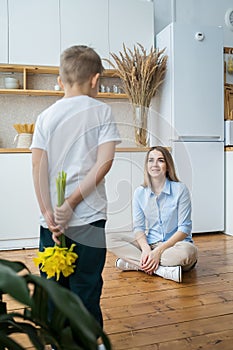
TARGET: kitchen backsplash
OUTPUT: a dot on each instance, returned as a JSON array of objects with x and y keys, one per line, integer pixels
[
  {"x": 16, "y": 109},
  {"x": 22, "y": 109}
]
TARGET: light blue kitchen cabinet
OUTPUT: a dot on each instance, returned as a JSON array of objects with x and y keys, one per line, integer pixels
[
  {"x": 130, "y": 22},
  {"x": 85, "y": 22},
  {"x": 3, "y": 32},
  {"x": 34, "y": 32}
]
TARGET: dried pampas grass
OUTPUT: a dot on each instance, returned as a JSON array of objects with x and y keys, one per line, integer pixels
[{"x": 141, "y": 73}]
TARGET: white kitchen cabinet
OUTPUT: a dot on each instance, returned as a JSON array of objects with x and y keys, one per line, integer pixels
[
  {"x": 3, "y": 32},
  {"x": 34, "y": 32},
  {"x": 125, "y": 175},
  {"x": 18, "y": 206},
  {"x": 228, "y": 193},
  {"x": 119, "y": 193},
  {"x": 138, "y": 161},
  {"x": 130, "y": 22},
  {"x": 20, "y": 211},
  {"x": 40, "y": 30},
  {"x": 85, "y": 22}
]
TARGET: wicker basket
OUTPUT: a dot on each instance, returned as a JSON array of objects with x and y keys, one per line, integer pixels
[
  {"x": 24, "y": 137},
  {"x": 23, "y": 140}
]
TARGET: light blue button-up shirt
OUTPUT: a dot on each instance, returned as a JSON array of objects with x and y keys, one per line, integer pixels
[{"x": 161, "y": 216}]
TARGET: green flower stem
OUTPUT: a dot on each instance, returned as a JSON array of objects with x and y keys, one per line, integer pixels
[
  {"x": 61, "y": 187},
  {"x": 63, "y": 241}
]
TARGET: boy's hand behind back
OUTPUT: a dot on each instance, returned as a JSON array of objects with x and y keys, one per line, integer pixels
[{"x": 62, "y": 215}]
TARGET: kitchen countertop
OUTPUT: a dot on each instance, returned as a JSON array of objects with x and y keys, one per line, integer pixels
[
  {"x": 119, "y": 149},
  {"x": 15, "y": 150}
]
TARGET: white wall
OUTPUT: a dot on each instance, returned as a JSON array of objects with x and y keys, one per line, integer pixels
[{"x": 208, "y": 12}]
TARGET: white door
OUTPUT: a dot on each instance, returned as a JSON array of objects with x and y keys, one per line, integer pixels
[
  {"x": 34, "y": 32},
  {"x": 85, "y": 22},
  {"x": 3, "y": 32},
  {"x": 130, "y": 22},
  {"x": 200, "y": 165}
]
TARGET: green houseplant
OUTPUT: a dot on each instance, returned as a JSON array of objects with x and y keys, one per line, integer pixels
[{"x": 71, "y": 326}]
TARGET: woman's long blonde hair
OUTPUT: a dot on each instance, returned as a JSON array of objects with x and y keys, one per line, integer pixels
[{"x": 170, "y": 173}]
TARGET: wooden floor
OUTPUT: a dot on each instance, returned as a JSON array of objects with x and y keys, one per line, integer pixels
[{"x": 144, "y": 312}]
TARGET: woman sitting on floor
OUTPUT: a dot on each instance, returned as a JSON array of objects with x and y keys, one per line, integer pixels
[{"x": 161, "y": 243}]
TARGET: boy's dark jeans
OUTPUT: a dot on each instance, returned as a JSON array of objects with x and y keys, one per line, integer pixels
[{"x": 86, "y": 281}]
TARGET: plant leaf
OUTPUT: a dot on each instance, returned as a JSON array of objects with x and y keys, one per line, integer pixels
[
  {"x": 40, "y": 309},
  {"x": 26, "y": 328},
  {"x": 14, "y": 285},
  {"x": 17, "y": 266},
  {"x": 38, "y": 336},
  {"x": 9, "y": 343},
  {"x": 67, "y": 340},
  {"x": 81, "y": 328},
  {"x": 58, "y": 320},
  {"x": 82, "y": 323},
  {"x": 32, "y": 333}
]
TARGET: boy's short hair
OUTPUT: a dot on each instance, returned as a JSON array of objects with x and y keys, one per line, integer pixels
[{"x": 78, "y": 64}]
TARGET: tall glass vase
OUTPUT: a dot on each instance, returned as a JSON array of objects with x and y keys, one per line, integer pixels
[{"x": 140, "y": 125}]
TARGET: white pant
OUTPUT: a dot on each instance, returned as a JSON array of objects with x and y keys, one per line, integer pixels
[{"x": 125, "y": 246}]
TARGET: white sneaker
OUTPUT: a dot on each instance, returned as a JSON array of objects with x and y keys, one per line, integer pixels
[
  {"x": 173, "y": 273},
  {"x": 125, "y": 265},
  {"x": 101, "y": 347}
]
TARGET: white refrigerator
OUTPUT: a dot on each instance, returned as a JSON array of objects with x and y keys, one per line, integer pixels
[{"x": 191, "y": 116}]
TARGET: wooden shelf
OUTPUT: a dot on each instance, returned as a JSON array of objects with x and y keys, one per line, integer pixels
[
  {"x": 54, "y": 93},
  {"x": 118, "y": 149},
  {"x": 110, "y": 73},
  {"x": 228, "y": 50},
  {"x": 26, "y": 70},
  {"x": 16, "y": 68},
  {"x": 228, "y": 101},
  {"x": 31, "y": 92},
  {"x": 111, "y": 95}
]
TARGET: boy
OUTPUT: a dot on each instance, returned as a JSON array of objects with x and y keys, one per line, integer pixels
[{"x": 76, "y": 134}]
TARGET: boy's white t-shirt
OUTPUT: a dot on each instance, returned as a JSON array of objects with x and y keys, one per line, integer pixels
[{"x": 70, "y": 131}]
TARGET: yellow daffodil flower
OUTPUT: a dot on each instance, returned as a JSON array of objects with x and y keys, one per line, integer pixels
[
  {"x": 55, "y": 260},
  {"x": 58, "y": 259}
]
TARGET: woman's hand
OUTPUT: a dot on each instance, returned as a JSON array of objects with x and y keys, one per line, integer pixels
[
  {"x": 146, "y": 261},
  {"x": 151, "y": 261},
  {"x": 144, "y": 256}
]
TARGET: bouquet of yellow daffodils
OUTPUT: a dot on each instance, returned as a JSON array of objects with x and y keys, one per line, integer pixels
[{"x": 58, "y": 259}]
